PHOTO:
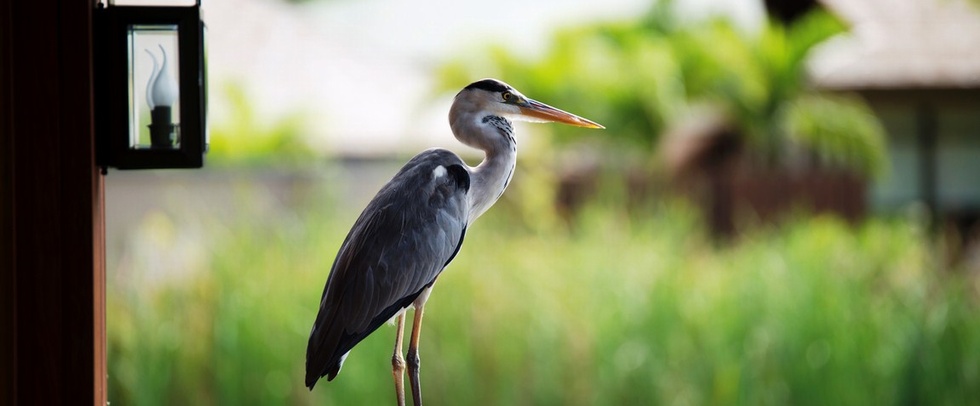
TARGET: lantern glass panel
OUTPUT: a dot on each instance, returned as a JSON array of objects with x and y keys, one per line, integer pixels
[{"x": 154, "y": 99}]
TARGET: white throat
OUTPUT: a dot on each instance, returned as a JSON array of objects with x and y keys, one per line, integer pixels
[{"x": 489, "y": 179}]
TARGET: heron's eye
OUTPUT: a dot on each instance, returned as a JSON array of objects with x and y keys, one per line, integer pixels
[{"x": 508, "y": 96}]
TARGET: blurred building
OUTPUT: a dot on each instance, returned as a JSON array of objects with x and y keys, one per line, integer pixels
[{"x": 916, "y": 64}]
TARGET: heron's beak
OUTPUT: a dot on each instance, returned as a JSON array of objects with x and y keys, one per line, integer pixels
[{"x": 535, "y": 109}]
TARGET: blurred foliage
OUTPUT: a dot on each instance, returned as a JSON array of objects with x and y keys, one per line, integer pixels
[
  {"x": 617, "y": 310},
  {"x": 849, "y": 139},
  {"x": 246, "y": 139},
  {"x": 640, "y": 78}
]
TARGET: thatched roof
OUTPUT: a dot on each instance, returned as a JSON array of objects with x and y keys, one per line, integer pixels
[{"x": 901, "y": 44}]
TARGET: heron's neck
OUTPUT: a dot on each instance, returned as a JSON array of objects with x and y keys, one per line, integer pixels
[{"x": 488, "y": 180}]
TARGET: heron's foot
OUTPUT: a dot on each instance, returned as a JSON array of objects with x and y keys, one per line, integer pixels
[
  {"x": 397, "y": 362},
  {"x": 413, "y": 350},
  {"x": 413, "y": 375},
  {"x": 397, "y": 372}
]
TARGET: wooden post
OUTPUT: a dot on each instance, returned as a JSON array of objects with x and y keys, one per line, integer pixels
[{"x": 52, "y": 238}]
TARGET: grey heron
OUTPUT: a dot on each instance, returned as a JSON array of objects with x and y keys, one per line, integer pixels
[{"x": 414, "y": 226}]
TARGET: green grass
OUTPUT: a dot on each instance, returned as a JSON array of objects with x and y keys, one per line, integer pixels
[{"x": 613, "y": 309}]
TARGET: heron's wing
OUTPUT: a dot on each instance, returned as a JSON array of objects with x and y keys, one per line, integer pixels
[{"x": 407, "y": 234}]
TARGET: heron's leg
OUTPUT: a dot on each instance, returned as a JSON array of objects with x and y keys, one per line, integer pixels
[
  {"x": 398, "y": 362},
  {"x": 413, "y": 354}
]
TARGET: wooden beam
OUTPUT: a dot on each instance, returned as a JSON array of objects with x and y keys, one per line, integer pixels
[
  {"x": 8, "y": 350},
  {"x": 52, "y": 211}
]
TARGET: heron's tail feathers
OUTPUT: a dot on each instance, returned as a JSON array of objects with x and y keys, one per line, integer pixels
[
  {"x": 330, "y": 369},
  {"x": 312, "y": 375}
]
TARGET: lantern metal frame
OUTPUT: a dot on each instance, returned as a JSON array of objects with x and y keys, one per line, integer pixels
[{"x": 112, "y": 26}]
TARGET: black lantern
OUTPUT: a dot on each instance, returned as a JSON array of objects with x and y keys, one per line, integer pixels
[{"x": 151, "y": 88}]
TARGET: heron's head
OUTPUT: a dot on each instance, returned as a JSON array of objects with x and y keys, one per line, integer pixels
[{"x": 493, "y": 97}]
